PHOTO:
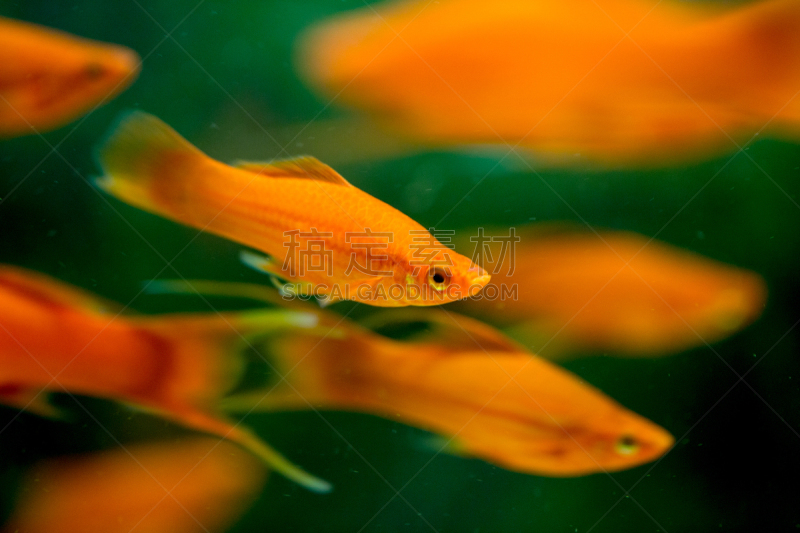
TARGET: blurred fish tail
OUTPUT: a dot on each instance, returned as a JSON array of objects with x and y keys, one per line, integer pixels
[{"x": 144, "y": 162}]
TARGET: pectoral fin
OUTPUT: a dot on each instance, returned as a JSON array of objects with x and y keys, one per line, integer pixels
[
  {"x": 262, "y": 263},
  {"x": 325, "y": 300},
  {"x": 266, "y": 265}
]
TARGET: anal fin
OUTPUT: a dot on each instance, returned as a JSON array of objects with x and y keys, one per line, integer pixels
[{"x": 266, "y": 265}]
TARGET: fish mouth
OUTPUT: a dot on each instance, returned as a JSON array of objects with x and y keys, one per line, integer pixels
[
  {"x": 657, "y": 442},
  {"x": 478, "y": 283},
  {"x": 125, "y": 64}
]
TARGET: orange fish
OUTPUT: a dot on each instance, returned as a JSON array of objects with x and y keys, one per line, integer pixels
[
  {"x": 325, "y": 236},
  {"x": 501, "y": 404},
  {"x": 192, "y": 486},
  {"x": 49, "y": 78},
  {"x": 568, "y": 291},
  {"x": 55, "y": 338},
  {"x": 619, "y": 82}
]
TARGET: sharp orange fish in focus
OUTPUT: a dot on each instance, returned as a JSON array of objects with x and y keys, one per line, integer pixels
[
  {"x": 563, "y": 291},
  {"x": 49, "y": 78},
  {"x": 324, "y": 236},
  {"x": 544, "y": 421},
  {"x": 56, "y": 338},
  {"x": 618, "y": 82},
  {"x": 197, "y": 485}
]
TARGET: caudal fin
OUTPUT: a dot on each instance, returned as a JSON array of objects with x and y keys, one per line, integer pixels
[{"x": 142, "y": 159}]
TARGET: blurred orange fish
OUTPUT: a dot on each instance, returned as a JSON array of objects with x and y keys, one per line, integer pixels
[
  {"x": 55, "y": 338},
  {"x": 199, "y": 485},
  {"x": 619, "y": 82},
  {"x": 500, "y": 403},
  {"x": 325, "y": 236},
  {"x": 49, "y": 78},
  {"x": 564, "y": 291}
]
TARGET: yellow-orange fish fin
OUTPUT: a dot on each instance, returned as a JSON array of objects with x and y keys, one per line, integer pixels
[
  {"x": 262, "y": 263},
  {"x": 303, "y": 167},
  {"x": 325, "y": 300},
  {"x": 135, "y": 155},
  {"x": 266, "y": 265}
]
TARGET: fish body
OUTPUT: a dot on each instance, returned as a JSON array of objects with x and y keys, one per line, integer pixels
[
  {"x": 56, "y": 338},
  {"x": 616, "y": 82},
  {"x": 324, "y": 235},
  {"x": 175, "y": 487},
  {"x": 49, "y": 78},
  {"x": 504, "y": 405},
  {"x": 614, "y": 292}
]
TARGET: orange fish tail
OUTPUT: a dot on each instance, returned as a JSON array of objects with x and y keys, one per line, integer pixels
[{"x": 146, "y": 163}]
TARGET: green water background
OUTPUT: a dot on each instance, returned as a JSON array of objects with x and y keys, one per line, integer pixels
[{"x": 228, "y": 69}]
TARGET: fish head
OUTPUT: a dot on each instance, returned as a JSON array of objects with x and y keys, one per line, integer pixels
[
  {"x": 445, "y": 277},
  {"x": 108, "y": 71},
  {"x": 631, "y": 441},
  {"x": 549, "y": 422},
  {"x": 83, "y": 76},
  {"x": 605, "y": 444},
  {"x": 97, "y": 76}
]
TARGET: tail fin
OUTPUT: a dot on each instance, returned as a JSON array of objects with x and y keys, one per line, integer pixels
[{"x": 137, "y": 159}]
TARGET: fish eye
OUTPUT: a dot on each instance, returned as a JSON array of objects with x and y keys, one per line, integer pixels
[
  {"x": 94, "y": 71},
  {"x": 626, "y": 445},
  {"x": 438, "y": 278}
]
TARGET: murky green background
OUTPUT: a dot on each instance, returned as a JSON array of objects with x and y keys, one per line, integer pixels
[{"x": 228, "y": 72}]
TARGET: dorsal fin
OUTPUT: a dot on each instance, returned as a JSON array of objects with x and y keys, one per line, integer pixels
[{"x": 303, "y": 167}]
